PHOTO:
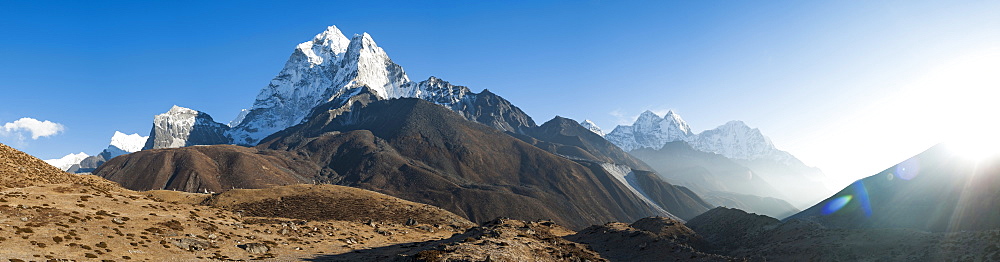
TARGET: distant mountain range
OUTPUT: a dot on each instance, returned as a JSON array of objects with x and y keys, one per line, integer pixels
[
  {"x": 733, "y": 159},
  {"x": 121, "y": 144}
]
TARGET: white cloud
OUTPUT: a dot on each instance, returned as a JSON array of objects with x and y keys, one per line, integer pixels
[{"x": 31, "y": 126}]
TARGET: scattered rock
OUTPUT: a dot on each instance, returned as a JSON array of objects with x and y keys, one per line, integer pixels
[
  {"x": 190, "y": 244},
  {"x": 255, "y": 248}
]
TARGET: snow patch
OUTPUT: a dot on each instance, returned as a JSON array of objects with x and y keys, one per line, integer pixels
[{"x": 625, "y": 175}]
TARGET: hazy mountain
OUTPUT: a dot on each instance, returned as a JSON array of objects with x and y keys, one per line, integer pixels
[
  {"x": 751, "y": 156},
  {"x": 719, "y": 180}
]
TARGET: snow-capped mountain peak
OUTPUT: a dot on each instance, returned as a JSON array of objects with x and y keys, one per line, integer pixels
[
  {"x": 590, "y": 125},
  {"x": 324, "y": 46},
  {"x": 239, "y": 118},
  {"x": 67, "y": 161},
  {"x": 328, "y": 67},
  {"x": 647, "y": 118},
  {"x": 366, "y": 63},
  {"x": 128, "y": 143},
  {"x": 650, "y": 131},
  {"x": 736, "y": 140}
]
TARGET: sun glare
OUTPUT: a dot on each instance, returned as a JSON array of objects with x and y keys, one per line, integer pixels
[
  {"x": 961, "y": 100},
  {"x": 975, "y": 147}
]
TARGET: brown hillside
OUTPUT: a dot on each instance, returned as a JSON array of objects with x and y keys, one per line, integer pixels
[
  {"x": 206, "y": 168},
  {"x": 419, "y": 151},
  {"x": 18, "y": 169}
]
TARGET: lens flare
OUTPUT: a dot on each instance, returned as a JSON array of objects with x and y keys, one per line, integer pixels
[
  {"x": 836, "y": 204},
  {"x": 862, "y": 194},
  {"x": 909, "y": 169},
  {"x": 860, "y": 197}
]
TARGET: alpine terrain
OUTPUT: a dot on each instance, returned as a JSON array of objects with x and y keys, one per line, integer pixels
[{"x": 341, "y": 112}]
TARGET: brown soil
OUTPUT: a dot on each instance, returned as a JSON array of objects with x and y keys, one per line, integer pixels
[
  {"x": 498, "y": 240},
  {"x": 47, "y": 215},
  {"x": 330, "y": 202}
]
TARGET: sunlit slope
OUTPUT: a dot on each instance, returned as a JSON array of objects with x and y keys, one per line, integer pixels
[{"x": 937, "y": 190}]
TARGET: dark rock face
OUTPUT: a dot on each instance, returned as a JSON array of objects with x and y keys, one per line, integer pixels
[
  {"x": 495, "y": 111},
  {"x": 415, "y": 150},
  {"x": 206, "y": 169},
  {"x": 88, "y": 164},
  {"x": 181, "y": 127},
  {"x": 934, "y": 191},
  {"x": 567, "y": 137}
]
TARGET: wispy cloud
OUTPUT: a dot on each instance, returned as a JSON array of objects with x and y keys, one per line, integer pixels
[
  {"x": 31, "y": 127},
  {"x": 619, "y": 116}
]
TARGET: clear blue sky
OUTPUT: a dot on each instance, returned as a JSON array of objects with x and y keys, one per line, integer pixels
[{"x": 801, "y": 71}]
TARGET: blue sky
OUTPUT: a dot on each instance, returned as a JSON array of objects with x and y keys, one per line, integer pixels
[{"x": 833, "y": 83}]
